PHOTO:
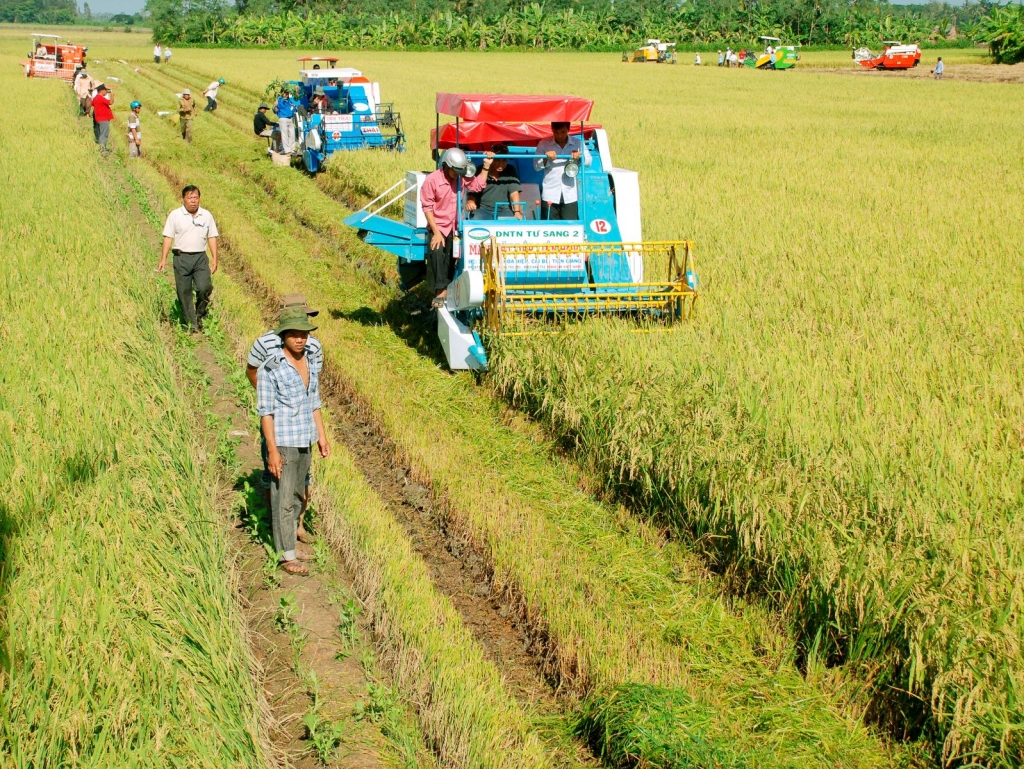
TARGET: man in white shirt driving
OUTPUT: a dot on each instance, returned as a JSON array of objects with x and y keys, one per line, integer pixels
[{"x": 559, "y": 193}]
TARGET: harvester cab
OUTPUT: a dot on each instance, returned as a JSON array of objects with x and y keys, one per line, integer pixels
[
  {"x": 513, "y": 265},
  {"x": 894, "y": 55},
  {"x": 342, "y": 111},
  {"x": 774, "y": 56},
  {"x": 50, "y": 58}
]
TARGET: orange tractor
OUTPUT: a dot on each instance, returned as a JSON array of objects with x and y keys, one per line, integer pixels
[{"x": 51, "y": 58}]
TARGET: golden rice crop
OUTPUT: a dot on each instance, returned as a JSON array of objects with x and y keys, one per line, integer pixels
[
  {"x": 844, "y": 416},
  {"x": 119, "y": 641}
]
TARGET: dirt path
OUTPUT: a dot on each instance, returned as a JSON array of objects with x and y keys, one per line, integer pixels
[{"x": 978, "y": 73}]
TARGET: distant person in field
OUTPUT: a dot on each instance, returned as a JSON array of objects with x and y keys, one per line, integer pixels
[
  {"x": 501, "y": 197},
  {"x": 721, "y": 59},
  {"x": 156, "y": 53},
  {"x": 939, "y": 69},
  {"x": 102, "y": 115},
  {"x": 211, "y": 95},
  {"x": 167, "y": 55},
  {"x": 135, "y": 131},
  {"x": 83, "y": 90},
  {"x": 189, "y": 231},
  {"x": 439, "y": 200},
  {"x": 288, "y": 404},
  {"x": 187, "y": 111},
  {"x": 696, "y": 59},
  {"x": 262, "y": 350},
  {"x": 728, "y": 57},
  {"x": 559, "y": 194},
  {"x": 262, "y": 125}
]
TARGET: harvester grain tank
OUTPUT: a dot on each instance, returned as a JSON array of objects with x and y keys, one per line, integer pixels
[
  {"x": 351, "y": 115},
  {"x": 515, "y": 268},
  {"x": 652, "y": 52},
  {"x": 50, "y": 58},
  {"x": 895, "y": 56}
]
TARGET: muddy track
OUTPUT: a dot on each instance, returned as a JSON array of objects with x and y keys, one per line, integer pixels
[{"x": 517, "y": 644}]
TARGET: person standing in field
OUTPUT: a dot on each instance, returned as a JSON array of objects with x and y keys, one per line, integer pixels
[
  {"x": 439, "y": 199},
  {"x": 135, "y": 131},
  {"x": 288, "y": 404},
  {"x": 696, "y": 59},
  {"x": 262, "y": 350},
  {"x": 156, "y": 53},
  {"x": 285, "y": 110},
  {"x": 83, "y": 87},
  {"x": 188, "y": 232},
  {"x": 102, "y": 115},
  {"x": 211, "y": 95},
  {"x": 167, "y": 55},
  {"x": 939, "y": 68},
  {"x": 559, "y": 194},
  {"x": 187, "y": 110},
  {"x": 728, "y": 57},
  {"x": 721, "y": 59}
]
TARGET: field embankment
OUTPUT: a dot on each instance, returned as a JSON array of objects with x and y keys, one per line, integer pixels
[{"x": 119, "y": 640}]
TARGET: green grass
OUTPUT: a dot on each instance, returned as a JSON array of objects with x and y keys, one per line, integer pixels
[{"x": 120, "y": 644}]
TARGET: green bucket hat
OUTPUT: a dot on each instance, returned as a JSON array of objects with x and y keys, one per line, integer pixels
[{"x": 294, "y": 319}]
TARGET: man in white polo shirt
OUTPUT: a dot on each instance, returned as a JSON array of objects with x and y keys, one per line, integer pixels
[
  {"x": 189, "y": 230},
  {"x": 559, "y": 194}
]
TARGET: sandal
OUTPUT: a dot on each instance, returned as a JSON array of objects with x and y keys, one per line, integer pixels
[
  {"x": 295, "y": 567},
  {"x": 304, "y": 554}
]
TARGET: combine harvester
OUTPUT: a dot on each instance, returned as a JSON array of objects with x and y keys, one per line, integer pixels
[
  {"x": 511, "y": 270},
  {"x": 895, "y": 56},
  {"x": 786, "y": 56},
  {"x": 353, "y": 116},
  {"x": 654, "y": 52},
  {"x": 50, "y": 58}
]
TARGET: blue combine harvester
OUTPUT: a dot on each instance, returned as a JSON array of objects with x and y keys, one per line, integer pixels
[
  {"x": 513, "y": 263},
  {"x": 343, "y": 112}
]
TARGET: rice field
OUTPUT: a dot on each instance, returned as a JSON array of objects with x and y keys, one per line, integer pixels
[{"x": 834, "y": 442}]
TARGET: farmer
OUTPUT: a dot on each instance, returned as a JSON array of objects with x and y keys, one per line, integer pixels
[
  {"x": 211, "y": 95},
  {"x": 187, "y": 110},
  {"x": 102, "y": 115},
  {"x": 939, "y": 68},
  {"x": 721, "y": 59},
  {"x": 83, "y": 87},
  {"x": 288, "y": 403},
  {"x": 263, "y": 348},
  {"x": 167, "y": 55},
  {"x": 135, "y": 131},
  {"x": 285, "y": 110},
  {"x": 189, "y": 231},
  {"x": 728, "y": 57},
  {"x": 261, "y": 124},
  {"x": 156, "y": 53},
  {"x": 558, "y": 192},
  {"x": 502, "y": 194},
  {"x": 696, "y": 59},
  {"x": 438, "y": 196},
  {"x": 320, "y": 101}
]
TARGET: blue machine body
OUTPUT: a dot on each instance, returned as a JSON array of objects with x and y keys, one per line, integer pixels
[{"x": 598, "y": 222}]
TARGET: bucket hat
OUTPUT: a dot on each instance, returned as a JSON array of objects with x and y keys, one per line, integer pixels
[
  {"x": 297, "y": 302},
  {"x": 294, "y": 319},
  {"x": 263, "y": 105}
]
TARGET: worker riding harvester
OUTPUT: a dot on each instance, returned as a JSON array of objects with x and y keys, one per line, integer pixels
[
  {"x": 50, "y": 58},
  {"x": 341, "y": 111},
  {"x": 516, "y": 265}
]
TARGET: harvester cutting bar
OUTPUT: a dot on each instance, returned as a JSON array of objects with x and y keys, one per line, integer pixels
[{"x": 530, "y": 280}]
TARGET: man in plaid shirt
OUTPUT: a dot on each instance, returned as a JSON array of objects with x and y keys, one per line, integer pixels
[{"x": 288, "y": 403}]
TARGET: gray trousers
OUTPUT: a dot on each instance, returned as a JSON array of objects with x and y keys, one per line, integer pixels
[
  {"x": 286, "y": 496},
  {"x": 192, "y": 272},
  {"x": 102, "y": 133}
]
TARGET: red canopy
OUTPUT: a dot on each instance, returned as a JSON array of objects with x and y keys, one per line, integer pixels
[
  {"x": 505, "y": 108},
  {"x": 480, "y": 136},
  {"x": 317, "y": 58}
]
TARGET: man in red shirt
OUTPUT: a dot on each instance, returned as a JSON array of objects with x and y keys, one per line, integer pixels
[
  {"x": 439, "y": 198},
  {"x": 102, "y": 115}
]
